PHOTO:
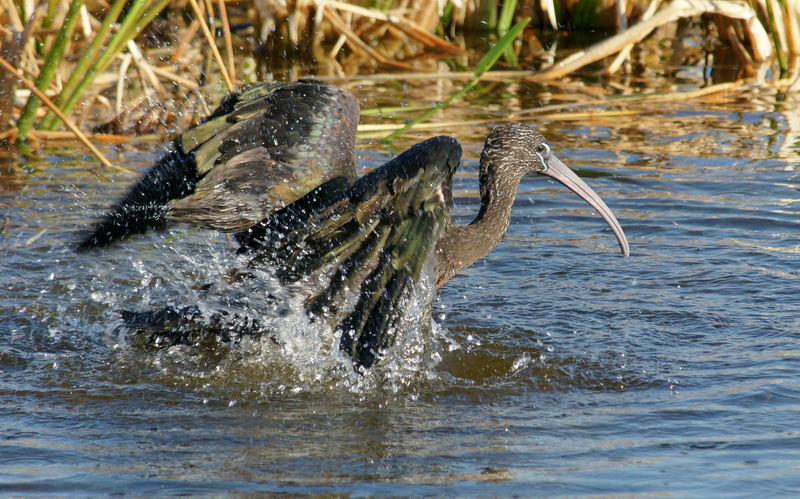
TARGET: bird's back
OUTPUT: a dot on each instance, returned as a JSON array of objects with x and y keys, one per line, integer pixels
[{"x": 231, "y": 171}]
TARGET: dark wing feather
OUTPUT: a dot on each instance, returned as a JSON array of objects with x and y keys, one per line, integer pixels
[
  {"x": 381, "y": 233},
  {"x": 307, "y": 126}
]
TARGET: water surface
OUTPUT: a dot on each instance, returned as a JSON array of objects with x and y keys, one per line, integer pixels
[{"x": 557, "y": 368}]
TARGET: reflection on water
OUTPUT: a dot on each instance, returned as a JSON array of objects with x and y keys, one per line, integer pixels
[{"x": 557, "y": 367}]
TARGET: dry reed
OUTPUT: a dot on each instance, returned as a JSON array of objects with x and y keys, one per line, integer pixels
[{"x": 120, "y": 84}]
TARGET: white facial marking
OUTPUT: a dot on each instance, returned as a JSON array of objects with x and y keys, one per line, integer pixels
[{"x": 547, "y": 154}]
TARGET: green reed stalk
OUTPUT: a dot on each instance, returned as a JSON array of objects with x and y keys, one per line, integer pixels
[
  {"x": 50, "y": 121},
  {"x": 506, "y": 17},
  {"x": 776, "y": 40},
  {"x": 503, "y": 23},
  {"x": 484, "y": 65},
  {"x": 490, "y": 13},
  {"x": 131, "y": 25},
  {"x": 43, "y": 43},
  {"x": 48, "y": 71}
]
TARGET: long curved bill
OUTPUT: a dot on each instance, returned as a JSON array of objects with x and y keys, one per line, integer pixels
[{"x": 560, "y": 172}]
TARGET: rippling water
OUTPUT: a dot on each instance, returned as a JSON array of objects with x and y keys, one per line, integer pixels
[{"x": 557, "y": 367}]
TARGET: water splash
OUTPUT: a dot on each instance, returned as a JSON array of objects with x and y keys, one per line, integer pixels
[{"x": 270, "y": 344}]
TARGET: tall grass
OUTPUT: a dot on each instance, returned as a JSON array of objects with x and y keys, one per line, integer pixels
[{"x": 86, "y": 56}]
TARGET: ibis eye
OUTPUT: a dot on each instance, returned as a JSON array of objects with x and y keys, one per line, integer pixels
[{"x": 542, "y": 148}]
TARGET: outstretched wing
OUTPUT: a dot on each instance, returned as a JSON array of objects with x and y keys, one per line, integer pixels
[
  {"x": 380, "y": 234},
  {"x": 258, "y": 139}
]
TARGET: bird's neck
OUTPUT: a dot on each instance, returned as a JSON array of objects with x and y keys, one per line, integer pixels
[{"x": 463, "y": 245}]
